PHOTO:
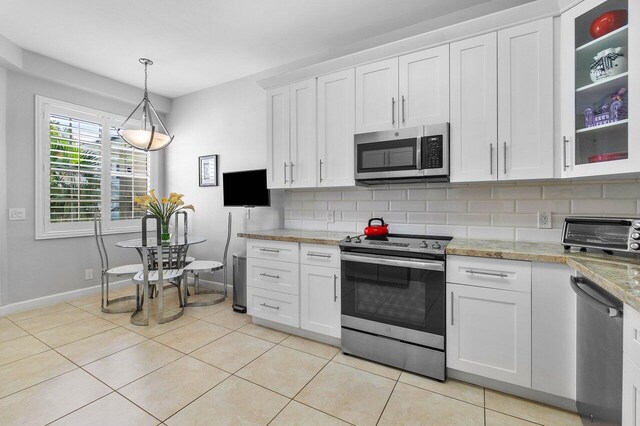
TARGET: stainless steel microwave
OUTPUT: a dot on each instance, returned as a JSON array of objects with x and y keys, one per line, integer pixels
[{"x": 414, "y": 154}]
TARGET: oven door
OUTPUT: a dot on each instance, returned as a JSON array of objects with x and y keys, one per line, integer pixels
[
  {"x": 397, "y": 297},
  {"x": 388, "y": 154}
]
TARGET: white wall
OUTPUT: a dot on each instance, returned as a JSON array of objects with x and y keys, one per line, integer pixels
[
  {"x": 46, "y": 267},
  {"x": 228, "y": 120},
  {"x": 3, "y": 185}
]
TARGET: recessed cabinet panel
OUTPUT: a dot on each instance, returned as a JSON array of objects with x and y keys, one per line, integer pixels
[
  {"x": 424, "y": 87},
  {"x": 302, "y": 167},
  {"x": 335, "y": 129},
  {"x": 474, "y": 110},
  {"x": 377, "y": 96},
  {"x": 278, "y": 137},
  {"x": 319, "y": 299}
]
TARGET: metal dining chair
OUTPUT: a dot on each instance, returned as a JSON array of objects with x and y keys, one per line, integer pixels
[
  {"x": 207, "y": 266},
  {"x": 107, "y": 272},
  {"x": 157, "y": 277}
]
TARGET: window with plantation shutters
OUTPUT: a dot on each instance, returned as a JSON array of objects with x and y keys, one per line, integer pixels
[{"x": 85, "y": 169}]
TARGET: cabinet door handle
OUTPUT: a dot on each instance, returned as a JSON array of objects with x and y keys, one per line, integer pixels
[
  {"x": 291, "y": 168},
  {"x": 504, "y": 158},
  {"x": 402, "y": 109},
  {"x": 335, "y": 291},
  {"x": 270, "y": 250},
  {"x": 277, "y": 308},
  {"x": 451, "y": 308},
  {"x": 393, "y": 110},
  {"x": 312, "y": 254},
  {"x": 276, "y": 277},
  {"x": 285, "y": 172},
  {"x": 320, "y": 170},
  {"x": 565, "y": 141},
  {"x": 491, "y": 159},
  {"x": 491, "y": 274}
]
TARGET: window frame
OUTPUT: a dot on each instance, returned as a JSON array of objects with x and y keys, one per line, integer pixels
[{"x": 45, "y": 229}]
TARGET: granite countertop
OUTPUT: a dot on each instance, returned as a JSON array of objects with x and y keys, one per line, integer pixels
[
  {"x": 618, "y": 275},
  {"x": 297, "y": 236}
]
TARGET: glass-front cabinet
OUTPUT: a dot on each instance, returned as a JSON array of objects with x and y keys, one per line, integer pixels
[{"x": 600, "y": 88}]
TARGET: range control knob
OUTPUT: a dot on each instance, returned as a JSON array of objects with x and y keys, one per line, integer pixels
[
  {"x": 634, "y": 246},
  {"x": 636, "y": 226},
  {"x": 347, "y": 239},
  {"x": 436, "y": 246},
  {"x": 424, "y": 244},
  {"x": 635, "y": 235},
  {"x": 357, "y": 240}
]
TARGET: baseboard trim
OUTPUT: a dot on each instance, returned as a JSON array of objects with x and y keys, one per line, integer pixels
[
  {"x": 329, "y": 340},
  {"x": 57, "y": 298}
]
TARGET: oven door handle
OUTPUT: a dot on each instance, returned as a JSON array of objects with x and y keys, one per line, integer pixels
[{"x": 403, "y": 262}]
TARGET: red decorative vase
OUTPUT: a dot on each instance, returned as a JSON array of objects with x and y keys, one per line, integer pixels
[{"x": 607, "y": 22}]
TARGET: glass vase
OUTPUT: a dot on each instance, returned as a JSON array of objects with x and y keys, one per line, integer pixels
[{"x": 165, "y": 233}]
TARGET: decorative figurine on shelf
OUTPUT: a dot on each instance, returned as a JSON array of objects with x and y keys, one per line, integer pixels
[
  {"x": 610, "y": 109},
  {"x": 608, "y": 21},
  {"x": 608, "y": 62},
  {"x": 163, "y": 208}
]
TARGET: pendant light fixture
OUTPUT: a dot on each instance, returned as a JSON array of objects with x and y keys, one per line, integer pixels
[{"x": 152, "y": 134}]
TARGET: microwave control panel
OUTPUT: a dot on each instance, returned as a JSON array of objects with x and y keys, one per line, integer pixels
[{"x": 432, "y": 150}]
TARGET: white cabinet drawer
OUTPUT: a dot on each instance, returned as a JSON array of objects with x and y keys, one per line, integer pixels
[
  {"x": 321, "y": 255},
  {"x": 631, "y": 333},
  {"x": 271, "y": 275},
  {"x": 273, "y": 306},
  {"x": 501, "y": 274},
  {"x": 273, "y": 250}
]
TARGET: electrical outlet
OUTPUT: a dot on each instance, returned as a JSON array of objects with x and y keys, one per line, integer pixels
[
  {"x": 330, "y": 217},
  {"x": 88, "y": 274},
  {"x": 17, "y": 214},
  {"x": 544, "y": 220}
]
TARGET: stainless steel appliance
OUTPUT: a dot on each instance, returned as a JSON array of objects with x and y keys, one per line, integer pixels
[
  {"x": 604, "y": 233},
  {"x": 394, "y": 302},
  {"x": 240, "y": 282},
  {"x": 599, "y": 354},
  {"x": 413, "y": 154}
]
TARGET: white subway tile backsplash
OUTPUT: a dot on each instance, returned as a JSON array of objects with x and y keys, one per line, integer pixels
[
  {"x": 468, "y": 219},
  {"x": 501, "y": 210},
  {"x": 427, "y": 194},
  {"x": 342, "y": 205},
  {"x": 435, "y": 218},
  {"x": 407, "y": 206},
  {"x": 604, "y": 206},
  {"x": 534, "y": 206},
  {"x": 447, "y": 206},
  {"x": 390, "y": 194},
  {"x": 491, "y": 206},
  {"x": 382, "y": 206},
  {"x": 491, "y": 233}
]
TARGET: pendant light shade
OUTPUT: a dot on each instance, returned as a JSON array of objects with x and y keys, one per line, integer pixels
[{"x": 152, "y": 134}]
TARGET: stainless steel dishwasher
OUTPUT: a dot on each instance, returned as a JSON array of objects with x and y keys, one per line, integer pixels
[{"x": 599, "y": 354}]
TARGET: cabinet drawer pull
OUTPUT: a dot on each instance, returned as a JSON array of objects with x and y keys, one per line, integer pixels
[
  {"x": 335, "y": 291},
  {"x": 276, "y": 277},
  {"x": 277, "y": 308},
  {"x": 491, "y": 159},
  {"x": 320, "y": 170},
  {"x": 451, "y": 308},
  {"x": 491, "y": 274},
  {"x": 565, "y": 141},
  {"x": 285, "y": 172},
  {"x": 270, "y": 250},
  {"x": 312, "y": 254},
  {"x": 504, "y": 157}
]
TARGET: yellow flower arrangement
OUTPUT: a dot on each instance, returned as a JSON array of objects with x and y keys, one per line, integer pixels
[{"x": 165, "y": 207}]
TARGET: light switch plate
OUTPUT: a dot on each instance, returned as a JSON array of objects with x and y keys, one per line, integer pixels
[{"x": 17, "y": 214}]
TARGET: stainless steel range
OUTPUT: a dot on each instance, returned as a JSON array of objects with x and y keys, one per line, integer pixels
[{"x": 393, "y": 301}]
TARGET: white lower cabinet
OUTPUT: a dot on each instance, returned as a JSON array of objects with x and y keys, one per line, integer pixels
[
  {"x": 273, "y": 306},
  {"x": 320, "y": 299},
  {"x": 630, "y": 368},
  {"x": 489, "y": 333}
]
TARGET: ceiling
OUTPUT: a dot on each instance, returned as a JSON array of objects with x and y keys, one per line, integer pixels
[{"x": 201, "y": 43}]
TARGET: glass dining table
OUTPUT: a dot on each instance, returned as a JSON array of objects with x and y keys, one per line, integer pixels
[{"x": 173, "y": 254}]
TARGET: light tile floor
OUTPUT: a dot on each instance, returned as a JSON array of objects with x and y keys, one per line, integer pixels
[{"x": 71, "y": 364}]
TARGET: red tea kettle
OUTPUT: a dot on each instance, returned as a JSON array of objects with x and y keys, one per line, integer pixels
[{"x": 376, "y": 230}]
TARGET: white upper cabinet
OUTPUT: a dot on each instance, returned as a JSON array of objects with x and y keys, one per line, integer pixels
[
  {"x": 474, "y": 110},
  {"x": 302, "y": 167},
  {"x": 377, "y": 96},
  {"x": 424, "y": 87},
  {"x": 278, "y": 174},
  {"x": 525, "y": 101},
  {"x": 600, "y": 135},
  {"x": 335, "y": 129}
]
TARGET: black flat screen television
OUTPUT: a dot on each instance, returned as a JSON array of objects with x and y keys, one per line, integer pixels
[{"x": 245, "y": 189}]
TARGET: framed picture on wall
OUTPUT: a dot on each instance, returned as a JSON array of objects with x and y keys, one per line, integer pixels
[{"x": 208, "y": 170}]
